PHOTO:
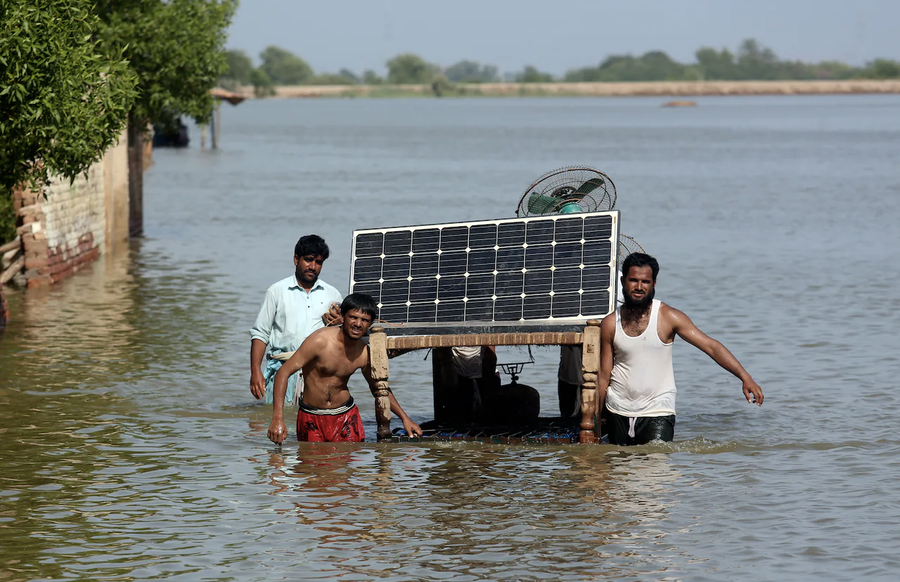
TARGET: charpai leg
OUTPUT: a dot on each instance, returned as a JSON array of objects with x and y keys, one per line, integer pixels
[
  {"x": 590, "y": 364},
  {"x": 379, "y": 365}
]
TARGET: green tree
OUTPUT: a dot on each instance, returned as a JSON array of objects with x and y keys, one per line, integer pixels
[
  {"x": 652, "y": 66},
  {"x": 583, "y": 75},
  {"x": 882, "y": 69},
  {"x": 530, "y": 74},
  {"x": 371, "y": 78},
  {"x": 471, "y": 72},
  {"x": 7, "y": 224},
  {"x": 410, "y": 69},
  {"x": 616, "y": 62},
  {"x": 658, "y": 66},
  {"x": 441, "y": 86},
  {"x": 716, "y": 65},
  {"x": 64, "y": 102},
  {"x": 177, "y": 49},
  {"x": 757, "y": 62},
  {"x": 329, "y": 79},
  {"x": 262, "y": 84},
  {"x": 349, "y": 75},
  {"x": 240, "y": 67},
  {"x": 284, "y": 67}
]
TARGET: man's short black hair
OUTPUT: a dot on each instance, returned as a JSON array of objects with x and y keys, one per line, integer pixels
[
  {"x": 640, "y": 260},
  {"x": 311, "y": 244},
  {"x": 362, "y": 301}
]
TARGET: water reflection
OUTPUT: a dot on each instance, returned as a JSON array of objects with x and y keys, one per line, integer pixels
[
  {"x": 462, "y": 511},
  {"x": 59, "y": 362},
  {"x": 130, "y": 447}
]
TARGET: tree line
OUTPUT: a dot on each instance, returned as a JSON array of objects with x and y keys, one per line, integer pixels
[
  {"x": 751, "y": 61},
  {"x": 75, "y": 73},
  {"x": 279, "y": 67}
]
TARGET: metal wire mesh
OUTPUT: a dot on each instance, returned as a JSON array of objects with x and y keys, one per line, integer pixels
[
  {"x": 567, "y": 190},
  {"x": 628, "y": 245}
]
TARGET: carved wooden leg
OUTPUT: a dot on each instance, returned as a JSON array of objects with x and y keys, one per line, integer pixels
[
  {"x": 590, "y": 364},
  {"x": 378, "y": 361}
]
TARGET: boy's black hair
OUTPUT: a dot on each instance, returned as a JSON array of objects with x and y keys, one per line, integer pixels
[{"x": 362, "y": 301}]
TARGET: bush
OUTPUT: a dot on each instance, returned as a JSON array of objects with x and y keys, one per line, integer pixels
[{"x": 7, "y": 218}]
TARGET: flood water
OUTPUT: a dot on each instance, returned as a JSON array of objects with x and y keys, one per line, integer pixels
[{"x": 131, "y": 448}]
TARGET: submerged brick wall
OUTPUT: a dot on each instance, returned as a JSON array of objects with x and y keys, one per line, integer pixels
[
  {"x": 75, "y": 215},
  {"x": 64, "y": 230},
  {"x": 76, "y": 221}
]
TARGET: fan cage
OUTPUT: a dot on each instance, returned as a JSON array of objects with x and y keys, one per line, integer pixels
[{"x": 568, "y": 189}]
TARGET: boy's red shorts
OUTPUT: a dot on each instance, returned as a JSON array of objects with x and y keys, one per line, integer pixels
[{"x": 315, "y": 427}]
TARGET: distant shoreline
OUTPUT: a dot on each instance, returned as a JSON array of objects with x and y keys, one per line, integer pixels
[{"x": 655, "y": 88}]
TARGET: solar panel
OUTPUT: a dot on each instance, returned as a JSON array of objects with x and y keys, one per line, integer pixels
[{"x": 535, "y": 273}]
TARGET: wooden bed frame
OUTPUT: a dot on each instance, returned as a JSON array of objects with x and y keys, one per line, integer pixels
[{"x": 381, "y": 344}]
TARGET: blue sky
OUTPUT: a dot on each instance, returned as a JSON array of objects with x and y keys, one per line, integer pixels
[{"x": 561, "y": 34}]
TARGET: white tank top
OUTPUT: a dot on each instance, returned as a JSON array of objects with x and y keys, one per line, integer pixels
[{"x": 643, "y": 381}]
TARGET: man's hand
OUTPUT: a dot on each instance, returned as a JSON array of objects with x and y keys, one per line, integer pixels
[
  {"x": 752, "y": 392},
  {"x": 411, "y": 428},
  {"x": 333, "y": 315},
  {"x": 277, "y": 431},
  {"x": 257, "y": 384}
]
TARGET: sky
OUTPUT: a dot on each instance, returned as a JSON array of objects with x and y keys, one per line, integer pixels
[{"x": 558, "y": 35}]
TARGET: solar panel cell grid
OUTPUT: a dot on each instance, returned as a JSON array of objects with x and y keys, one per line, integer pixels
[{"x": 514, "y": 270}]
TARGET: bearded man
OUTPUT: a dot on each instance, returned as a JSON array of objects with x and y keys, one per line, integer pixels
[
  {"x": 636, "y": 381},
  {"x": 293, "y": 308}
]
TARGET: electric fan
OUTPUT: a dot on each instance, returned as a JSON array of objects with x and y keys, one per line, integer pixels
[
  {"x": 567, "y": 190},
  {"x": 627, "y": 245}
]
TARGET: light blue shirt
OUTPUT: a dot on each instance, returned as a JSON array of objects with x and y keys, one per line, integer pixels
[{"x": 289, "y": 314}]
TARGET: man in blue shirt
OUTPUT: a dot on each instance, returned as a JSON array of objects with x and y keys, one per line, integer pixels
[{"x": 293, "y": 308}]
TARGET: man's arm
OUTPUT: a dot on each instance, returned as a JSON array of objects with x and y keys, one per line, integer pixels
[
  {"x": 607, "y": 333},
  {"x": 411, "y": 428},
  {"x": 259, "y": 342},
  {"x": 304, "y": 354},
  {"x": 686, "y": 330},
  {"x": 257, "y": 382},
  {"x": 333, "y": 316}
]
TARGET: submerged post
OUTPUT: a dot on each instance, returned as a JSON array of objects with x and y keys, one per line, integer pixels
[
  {"x": 590, "y": 365},
  {"x": 445, "y": 383},
  {"x": 378, "y": 362},
  {"x": 213, "y": 132}
]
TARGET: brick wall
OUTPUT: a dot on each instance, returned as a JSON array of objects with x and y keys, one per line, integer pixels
[
  {"x": 76, "y": 221},
  {"x": 75, "y": 218}
]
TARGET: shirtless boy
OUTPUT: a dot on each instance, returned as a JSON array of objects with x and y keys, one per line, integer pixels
[{"x": 328, "y": 357}]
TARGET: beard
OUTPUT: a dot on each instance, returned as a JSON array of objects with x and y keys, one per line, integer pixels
[
  {"x": 639, "y": 305},
  {"x": 310, "y": 278}
]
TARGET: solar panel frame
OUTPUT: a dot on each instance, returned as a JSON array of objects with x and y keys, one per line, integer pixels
[{"x": 538, "y": 273}]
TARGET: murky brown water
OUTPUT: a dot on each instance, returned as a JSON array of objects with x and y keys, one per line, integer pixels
[{"x": 130, "y": 448}]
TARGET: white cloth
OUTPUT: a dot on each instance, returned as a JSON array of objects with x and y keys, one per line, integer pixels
[
  {"x": 570, "y": 370},
  {"x": 643, "y": 380},
  {"x": 298, "y": 382},
  {"x": 467, "y": 361}
]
